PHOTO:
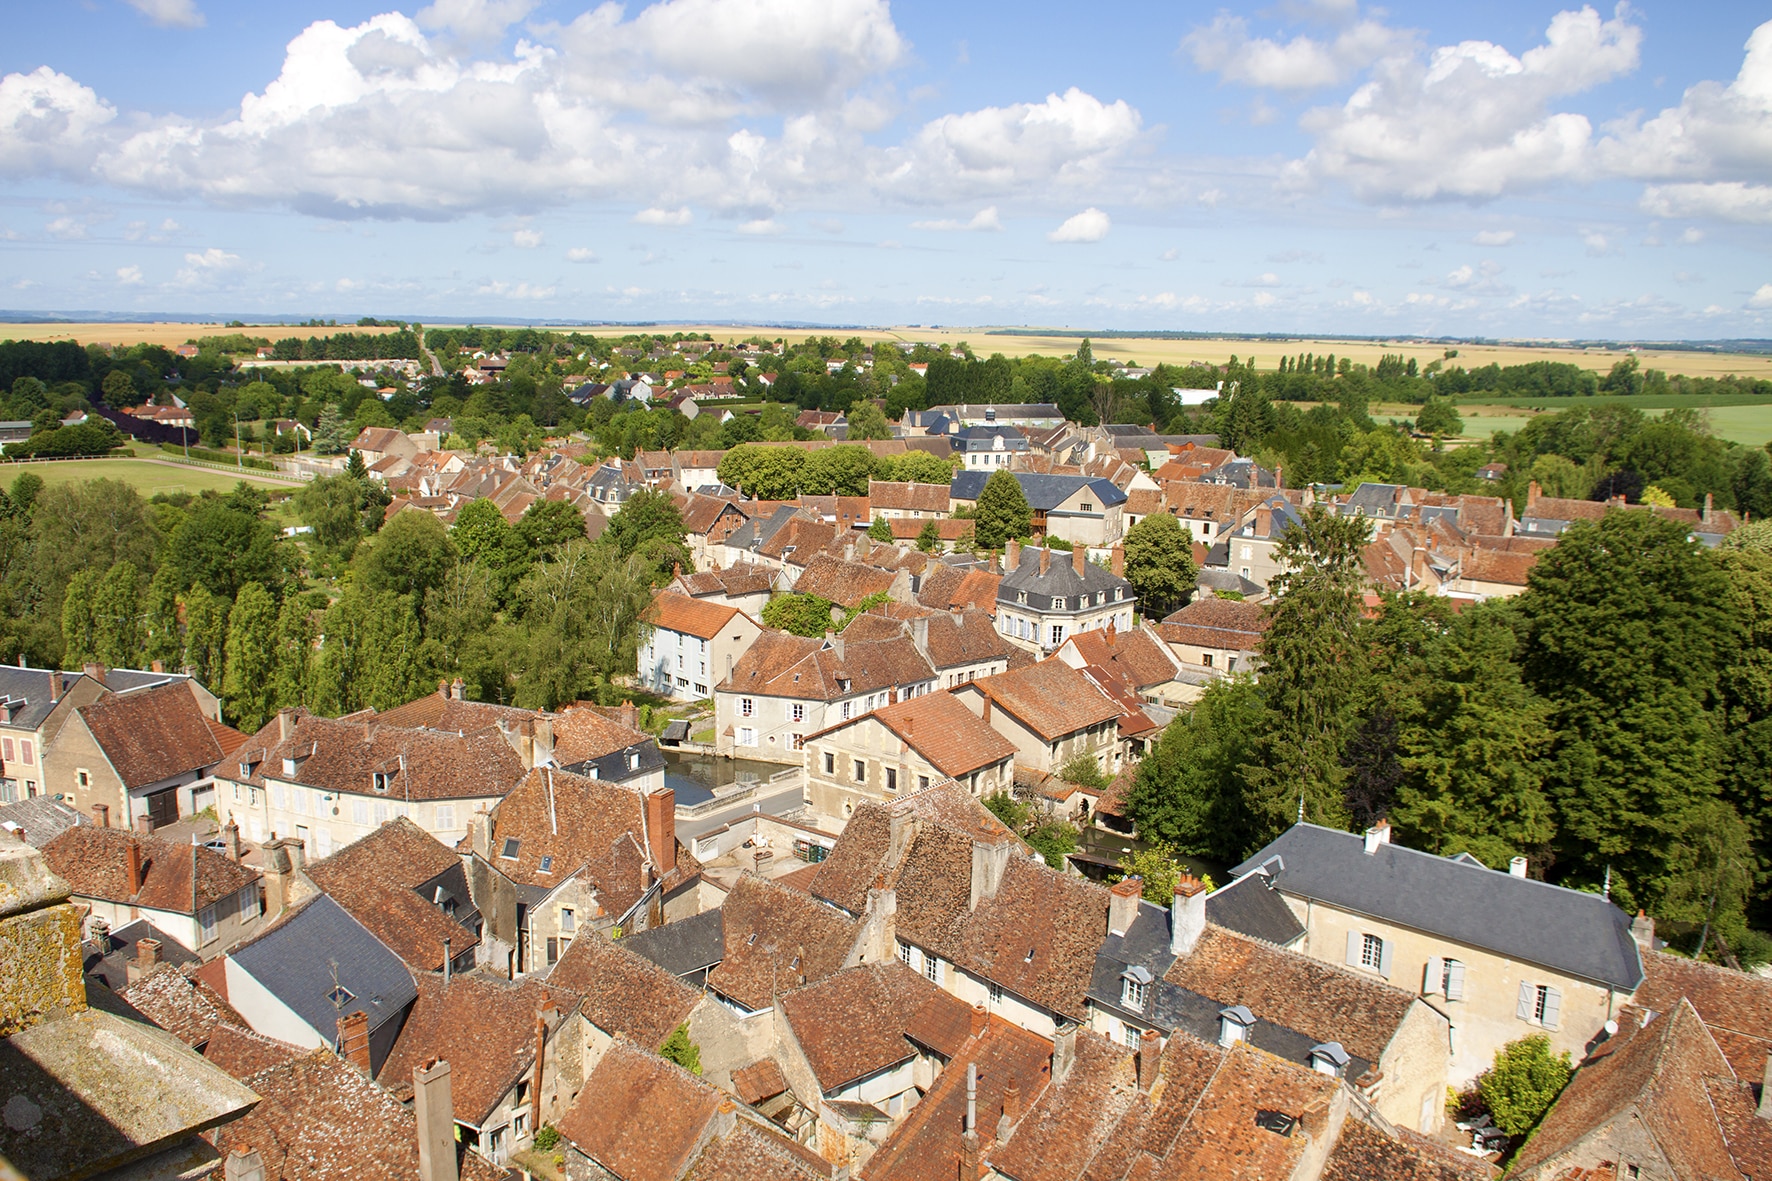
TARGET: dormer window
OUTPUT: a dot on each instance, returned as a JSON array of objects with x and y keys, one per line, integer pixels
[
  {"x": 1234, "y": 1024},
  {"x": 1329, "y": 1058},
  {"x": 289, "y": 766},
  {"x": 381, "y": 780},
  {"x": 246, "y": 770},
  {"x": 1135, "y": 987}
]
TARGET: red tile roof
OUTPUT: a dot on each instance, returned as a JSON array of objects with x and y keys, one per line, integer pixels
[
  {"x": 1131, "y": 657},
  {"x": 1363, "y": 1153},
  {"x": 766, "y": 928},
  {"x": 843, "y": 583},
  {"x": 623, "y": 993},
  {"x": 241, "y": 1052},
  {"x": 1735, "y": 1006},
  {"x": 376, "y": 880},
  {"x": 187, "y": 1009},
  {"x": 946, "y": 733},
  {"x": 342, "y": 755},
  {"x": 856, "y": 1023},
  {"x": 176, "y": 877},
  {"x": 153, "y": 734},
  {"x": 1051, "y": 698},
  {"x": 640, "y": 1117},
  {"x": 691, "y": 617},
  {"x": 1216, "y": 623},
  {"x": 904, "y": 497}
]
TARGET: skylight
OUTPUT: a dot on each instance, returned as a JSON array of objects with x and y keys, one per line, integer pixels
[
  {"x": 510, "y": 849},
  {"x": 547, "y": 864},
  {"x": 340, "y": 996}
]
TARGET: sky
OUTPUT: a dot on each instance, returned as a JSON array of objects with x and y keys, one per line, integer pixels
[{"x": 1510, "y": 169}]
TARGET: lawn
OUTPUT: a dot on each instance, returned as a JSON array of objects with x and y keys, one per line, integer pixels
[
  {"x": 145, "y": 476},
  {"x": 1739, "y": 420}
]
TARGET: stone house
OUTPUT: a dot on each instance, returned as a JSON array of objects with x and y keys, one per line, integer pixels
[
  {"x": 1051, "y": 712},
  {"x": 742, "y": 585},
  {"x": 916, "y": 502},
  {"x": 989, "y": 448},
  {"x": 688, "y": 645},
  {"x": 1134, "y": 664},
  {"x": 1046, "y": 596},
  {"x": 1218, "y": 636},
  {"x": 901, "y": 748},
  {"x": 960, "y": 644},
  {"x": 1252, "y": 547},
  {"x": 376, "y": 443}
]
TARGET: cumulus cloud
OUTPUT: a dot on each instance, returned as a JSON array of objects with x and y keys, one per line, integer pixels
[
  {"x": 526, "y": 239},
  {"x": 1729, "y": 200},
  {"x": 523, "y": 290},
  {"x": 1494, "y": 237},
  {"x": 474, "y": 20},
  {"x": 1225, "y": 47},
  {"x": 581, "y": 254},
  {"x": 171, "y": 14},
  {"x": 664, "y": 217},
  {"x": 208, "y": 268},
  {"x": 985, "y": 219},
  {"x": 1761, "y": 298},
  {"x": 762, "y": 226},
  {"x": 49, "y": 123},
  {"x": 1091, "y": 225},
  {"x": 1068, "y": 140},
  {"x": 1472, "y": 121},
  {"x": 129, "y": 276}
]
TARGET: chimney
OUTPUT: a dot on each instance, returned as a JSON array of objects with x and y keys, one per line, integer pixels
[
  {"x": 285, "y": 723},
  {"x": 95, "y": 671},
  {"x": 989, "y": 861},
  {"x": 1079, "y": 559},
  {"x": 920, "y": 633},
  {"x": 970, "y": 1150},
  {"x": 134, "y": 852},
  {"x": 901, "y": 830},
  {"x": 144, "y": 823},
  {"x": 1045, "y": 559},
  {"x": 353, "y": 1039},
  {"x": 436, "y": 1121},
  {"x": 535, "y": 1074},
  {"x": 1766, "y": 1091},
  {"x": 1123, "y": 904},
  {"x": 630, "y": 717},
  {"x": 1117, "y": 563},
  {"x": 1112, "y": 631},
  {"x": 1418, "y": 563},
  {"x": 157, "y": 666},
  {"x": 101, "y": 815},
  {"x": 834, "y": 642},
  {"x": 1279, "y": 476},
  {"x": 1533, "y": 492},
  {"x": 243, "y": 1164},
  {"x": 1064, "y": 1051},
  {"x": 544, "y": 739},
  {"x": 55, "y": 686},
  {"x": 1150, "y": 1054},
  {"x": 1709, "y": 509},
  {"x": 1517, "y": 867},
  {"x": 661, "y": 830},
  {"x": 1642, "y": 929},
  {"x": 443, "y": 688},
  {"x": 147, "y": 953},
  {"x": 480, "y": 834},
  {"x": 1187, "y": 914},
  {"x": 1011, "y": 556},
  {"x": 1264, "y": 521},
  {"x": 448, "y": 961},
  {"x": 980, "y": 1019},
  {"x": 231, "y": 837},
  {"x": 1378, "y": 834},
  {"x": 456, "y": 690},
  {"x": 282, "y": 860},
  {"x": 1011, "y": 1113}
]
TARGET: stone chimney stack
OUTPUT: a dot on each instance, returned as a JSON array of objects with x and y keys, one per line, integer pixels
[
  {"x": 55, "y": 686},
  {"x": 1123, "y": 904},
  {"x": 1516, "y": 867},
  {"x": 1011, "y": 1113},
  {"x": 480, "y": 834},
  {"x": 661, "y": 830},
  {"x": 920, "y": 633},
  {"x": 1079, "y": 559},
  {"x": 1117, "y": 563},
  {"x": 353, "y": 1039},
  {"x": 1766, "y": 1090},
  {"x": 990, "y": 859},
  {"x": 231, "y": 838},
  {"x": 133, "y": 852},
  {"x": 1642, "y": 929},
  {"x": 1011, "y": 556},
  {"x": 901, "y": 830},
  {"x": 971, "y": 1152},
  {"x": 1187, "y": 915},
  {"x": 285, "y": 723},
  {"x": 243, "y": 1164},
  {"x": 95, "y": 671},
  {"x": 1378, "y": 834},
  {"x": 435, "y": 1110},
  {"x": 1064, "y": 1051},
  {"x": 1150, "y": 1054},
  {"x": 630, "y": 716},
  {"x": 1533, "y": 492}
]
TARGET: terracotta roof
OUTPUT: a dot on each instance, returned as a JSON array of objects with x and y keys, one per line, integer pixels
[
  {"x": 640, "y": 1117},
  {"x": 1735, "y": 1006},
  {"x": 783, "y": 665},
  {"x": 318, "y": 1116},
  {"x": 176, "y": 877},
  {"x": 1488, "y": 565},
  {"x": 484, "y": 1029},
  {"x": 755, "y": 1153},
  {"x": 376, "y": 438},
  {"x": 691, "y": 617},
  {"x": 800, "y": 879},
  {"x": 843, "y": 583},
  {"x": 946, "y": 821},
  {"x": 1133, "y": 657},
  {"x": 929, "y": 498},
  {"x": 855, "y": 1023},
  {"x": 1319, "y": 1000},
  {"x": 948, "y": 587},
  {"x": 153, "y": 734},
  {"x": 1051, "y": 698},
  {"x": 440, "y": 711},
  {"x": 995, "y": 941},
  {"x": 1554, "y": 508},
  {"x": 1363, "y": 1153},
  {"x": 241, "y": 1052},
  {"x": 575, "y": 825},
  {"x": 623, "y": 993},
  {"x": 943, "y": 731},
  {"x": 226, "y": 737},
  {"x": 760, "y": 1080},
  {"x": 343, "y": 755},
  {"x": 740, "y": 578},
  {"x": 1216, "y": 623},
  {"x": 583, "y": 732},
  {"x": 766, "y": 928},
  {"x": 187, "y": 1009},
  {"x": 376, "y": 880}
]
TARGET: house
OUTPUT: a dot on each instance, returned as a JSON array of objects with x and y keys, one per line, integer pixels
[
  {"x": 904, "y": 747},
  {"x": 1083, "y": 510},
  {"x": 948, "y": 587},
  {"x": 1220, "y": 636},
  {"x": 693, "y": 470},
  {"x": 1046, "y": 595},
  {"x": 741, "y": 585},
  {"x": 318, "y": 978},
  {"x": 894, "y": 501},
  {"x": 1028, "y": 415},
  {"x": 847, "y": 583},
  {"x": 34, "y": 705},
  {"x": 376, "y": 443},
  {"x": 960, "y": 644},
  {"x": 585, "y": 853},
  {"x": 777, "y": 938},
  {"x": 1051, "y": 713},
  {"x": 140, "y": 755},
  {"x": 1735, "y": 1006},
  {"x": 989, "y": 448},
  {"x": 205, "y": 900},
  {"x": 1135, "y": 667},
  {"x": 1502, "y": 955},
  {"x": 1251, "y": 549},
  {"x": 786, "y": 687},
  {"x": 684, "y": 638}
]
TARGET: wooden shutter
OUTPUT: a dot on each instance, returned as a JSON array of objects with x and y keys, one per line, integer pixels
[
  {"x": 1385, "y": 946},
  {"x": 1523, "y": 1010},
  {"x": 1353, "y": 949},
  {"x": 1454, "y": 980},
  {"x": 1553, "y": 1006},
  {"x": 1430, "y": 977}
]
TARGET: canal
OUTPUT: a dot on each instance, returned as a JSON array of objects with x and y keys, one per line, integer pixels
[{"x": 695, "y": 776}]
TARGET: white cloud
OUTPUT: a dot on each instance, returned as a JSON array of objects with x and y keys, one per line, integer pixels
[
  {"x": 1730, "y": 200},
  {"x": 129, "y": 276},
  {"x": 1091, "y": 225},
  {"x": 1691, "y": 236},
  {"x": 664, "y": 217},
  {"x": 66, "y": 228},
  {"x": 1169, "y": 255},
  {"x": 1068, "y": 140},
  {"x": 172, "y": 14},
  {"x": 526, "y": 239},
  {"x": 474, "y": 20},
  {"x": 49, "y": 123},
  {"x": 763, "y": 226},
  {"x": 1494, "y": 237},
  {"x": 1225, "y": 47},
  {"x": 985, "y": 219},
  {"x": 208, "y": 268},
  {"x": 581, "y": 254},
  {"x": 1598, "y": 244},
  {"x": 516, "y": 290},
  {"x": 1761, "y": 298},
  {"x": 1472, "y": 121}
]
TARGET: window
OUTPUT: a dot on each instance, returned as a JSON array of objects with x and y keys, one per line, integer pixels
[
  {"x": 279, "y": 797},
  {"x": 381, "y": 781},
  {"x": 6, "y": 749},
  {"x": 340, "y": 996},
  {"x": 1371, "y": 952},
  {"x": 299, "y": 797},
  {"x": 904, "y": 953},
  {"x": 861, "y": 770},
  {"x": 82, "y": 777},
  {"x": 994, "y": 991},
  {"x": 381, "y": 812},
  {"x": 1057, "y": 634},
  {"x": 509, "y": 852},
  {"x": 360, "y": 812},
  {"x": 26, "y": 754},
  {"x": 206, "y": 921},
  {"x": 1086, "y": 507},
  {"x": 931, "y": 969},
  {"x": 892, "y": 779},
  {"x": 1132, "y": 993},
  {"x": 846, "y": 711},
  {"x": 747, "y": 736},
  {"x": 1540, "y": 1004},
  {"x": 798, "y": 711},
  {"x": 553, "y": 951},
  {"x": 445, "y": 816},
  {"x": 830, "y": 763},
  {"x": 796, "y": 741},
  {"x": 568, "y": 921},
  {"x": 1206, "y": 659},
  {"x": 922, "y": 783},
  {"x": 1131, "y": 1035},
  {"x": 1444, "y": 977},
  {"x": 547, "y": 864},
  {"x": 746, "y": 707}
]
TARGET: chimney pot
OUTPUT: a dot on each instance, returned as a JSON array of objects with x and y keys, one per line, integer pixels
[
  {"x": 1378, "y": 834},
  {"x": 1517, "y": 867}
]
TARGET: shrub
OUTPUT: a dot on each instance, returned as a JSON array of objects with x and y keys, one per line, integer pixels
[
  {"x": 679, "y": 1049},
  {"x": 547, "y": 1138},
  {"x": 1082, "y": 770},
  {"x": 1525, "y": 1080}
]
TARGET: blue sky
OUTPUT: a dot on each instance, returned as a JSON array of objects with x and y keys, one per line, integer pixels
[{"x": 1508, "y": 169}]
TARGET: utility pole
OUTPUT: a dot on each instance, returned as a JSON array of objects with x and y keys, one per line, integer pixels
[{"x": 239, "y": 456}]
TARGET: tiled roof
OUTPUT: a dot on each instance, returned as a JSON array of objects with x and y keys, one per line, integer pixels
[
  {"x": 623, "y": 992},
  {"x": 1363, "y": 1153},
  {"x": 755, "y": 1153},
  {"x": 956, "y": 637},
  {"x": 760, "y": 1080},
  {"x": 241, "y": 1052},
  {"x": 741, "y": 578},
  {"x": 187, "y": 1009},
  {"x": 766, "y": 928},
  {"x": 929, "y": 498},
  {"x": 945, "y": 732},
  {"x": 843, "y": 583},
  {"x": 440, "y": 711},
  {"x": 583, "y": 733},
  {"x": 1221, "y": 1137},
  {"x": 484, "y": 1029},
  {"x": 640, "y": 1117},
  {"x": 782, "y": 665},
  {"x": 176, "y": 877},
  {"x": 343, "y": 755},
  {"x": 1488, "y": 565},
  {"x": 1037, "y": 936},
  {"x": 691, "y": 617},
  {"x": 39, "y": 819},
  {"x": 377, "y": 880},
  {"x": 946, "y": 820},
  {"x": 318, "y": 1116},
  {"x": 576, "y": 825},
  {"x": 1216, "y": 623},
  {"x": 1735, "y": 1006},
  {"x": 1068, "y": 1126},
  {"x": 855, "y": 1023},
  {"x": 1051, "y": 698},
  {"x": 1133, "y": 657},
  {"x": 152, "y": 734}
]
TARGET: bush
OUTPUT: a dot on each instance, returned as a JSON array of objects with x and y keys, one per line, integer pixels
[
  {"x": 547, "y": 1138},
  {"x": 1525, "y": 1080},
  {"x": 1083, "y": 771},
  {"x": 208, "y": 455},
  {"x": 679, "y": 1049},
  {"x": 1008, "y": 809},
  {"x": 1053, "y": 840}
]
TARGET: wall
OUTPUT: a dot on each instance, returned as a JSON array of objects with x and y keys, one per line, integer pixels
[
  {"x": 773, "y": 720},
  {"x": 74, "y": 750},
  {"x": 268, "y": 1015},
  {"x": 333, "y": 819},
  {"x": 665, "y": 657},
  {"x": 1412, "y": 1093},
  {"x": 976, "y": 990},
  {"x": 839, "y": 793}
]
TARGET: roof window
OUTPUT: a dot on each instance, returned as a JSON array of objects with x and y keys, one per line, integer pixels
[
  {"x": 512, "y": 844},
  {"x": 340, "y": 996},
  {"x": 547, "y": 864}
]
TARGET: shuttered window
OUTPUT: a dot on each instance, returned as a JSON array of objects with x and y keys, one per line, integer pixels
[
  {"x": 1443, "y": 977},
  {"x": 1454, "y": 980},
  {"x": 1540, "y": 1004},
  {"x": 1371, "y": 952}
]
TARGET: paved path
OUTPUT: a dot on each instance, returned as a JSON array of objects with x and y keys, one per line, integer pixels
[{"x": 777, "y": 804}]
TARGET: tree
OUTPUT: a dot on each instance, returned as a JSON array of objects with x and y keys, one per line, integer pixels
[
  {"x": 915, "y": 467},
  {"x": 1160, "y": 564},
  {"x": 647, "y": 515},
  {"x": 1752, "y": 484},
  {"x": 162, "y": 640},
  {"x": 332, "y": 507},
  {"x": 332, "y": 434},
  {"x": 803, "y": 615},
  {"x": 295, "y": 654},
  {"x": 764, "y": 473},
  {"x": 1523, "y": 1083},
  {"x": 355, "y": 468},
  {"x": 412, "y": 554},
  {"x": 222, "y": 546},
  {"x": 843, "y": 470},
  {"x": 1002, "y": 511},
  {"x": 929, "y": 537},
  {"x": 579, "y": 621},
  {"x": 118, "y": 390},
  {"x": 1155, "y": 864},
  {"x": 1439, "y": 417},
  {"x": 868, "y": 421},
  {"x": 117, "y": 618},
  {"x": 249, "y": 684},
  {"x": 1054, "y": 840},
  {"x": 79, "y": 622},
  {"x": 1011, "y": 811},
  {"x": 881, "y": 529},
  {"x": 1082, "y": 769},
  {"x": 679, "y": 1049},
  {"x": 206, "y": 635},
  {"x": 549, "y": 524},
  {"x": 1188, "y": 791}
]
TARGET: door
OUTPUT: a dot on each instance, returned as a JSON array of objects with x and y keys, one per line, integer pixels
[{"x": 163, "y": 807}]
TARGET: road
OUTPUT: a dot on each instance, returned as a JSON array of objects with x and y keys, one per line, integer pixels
[{"x": 777, "y": 804}]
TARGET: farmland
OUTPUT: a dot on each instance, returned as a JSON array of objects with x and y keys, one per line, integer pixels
[{"x": 147, "y": 476}]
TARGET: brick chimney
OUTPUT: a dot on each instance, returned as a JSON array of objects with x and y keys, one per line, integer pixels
[
  {"x": 285, "y": 723},
  {"x": 1011, "y": 1113},
  {"x": 95, "y": 671},
  {"x": 55, "y": 686},
  {"x": 353, "y": 1039},
  {"x": 101, "y": 815},
  {"x": 661, "y": 830},
  {"x": 1011, "y": 555},
  {"x": 1123, "y": 904},
  {"x": 1533, "y": 492},
  {"x": 1150, "y": 1054},
  {"x": 1117, "y": 563},
  {"x": 1187, "y": 914},
  {"x": 157, "y": 666},
  {"x": 1264, "y": 521},
  {"x": 979, "y": 1019},
  {"x": 133, "y": 852},
  {"x": 432, "y": 1104},
  {"x": 147, "y": 956},
  {"x": 1045, "y": 559},
  {"x": 1079, "y": 559}
]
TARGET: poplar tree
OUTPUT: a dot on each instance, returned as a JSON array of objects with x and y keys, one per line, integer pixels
[
  {"x": 206, "y": 635},
  {"x": 249, "y": 684},
  {"x": 1002, "y": 511}
]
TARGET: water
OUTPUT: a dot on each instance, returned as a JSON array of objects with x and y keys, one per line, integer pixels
[{"x": 694, "y": 777}]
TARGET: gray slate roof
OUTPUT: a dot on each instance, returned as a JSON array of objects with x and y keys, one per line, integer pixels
[
  {"x": 684, "y": 947},
  {"x": 294, "y": 961},
  {"x": 1573, "y": 932},
  {"x": 30, "y": 686},
  {"x": 40, "y": 819},
  {"x": 1061, "y": 579},
  {"x": 1251, "y": 907}
]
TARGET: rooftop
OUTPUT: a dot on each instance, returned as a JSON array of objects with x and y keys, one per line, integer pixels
[
  {"x": 149, "y": 735},
  {"x": 1051, "y": 698},
  {"x": 861, "y": 1020},
  {"x": 407, "y": 888},
  {"x": 624, "y": 992},
  {"x": 179, "y": 878},
  {"x": 317, "y": 952}
]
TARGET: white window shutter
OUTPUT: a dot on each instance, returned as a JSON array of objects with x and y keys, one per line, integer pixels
[
  {"x": 1430, "y": 977},
  {"x": 1523, "y": 1010},
  {"x": 1386, "y": 946},
  {"x": 1353, "y": 949},
  {"x": 1553, "y": 1005},
  {"x": 1454, "y": 981}
]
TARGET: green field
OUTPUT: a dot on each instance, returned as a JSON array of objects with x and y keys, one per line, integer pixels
[{"x": 146, "y": 476}]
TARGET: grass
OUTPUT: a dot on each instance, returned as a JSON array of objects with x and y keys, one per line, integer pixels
[
  {"x": 1738, "y": 419},
  {"x": 1640, "y": 401},
  {"x": 170, "y": 333},
  {"x": 145, "y": 476}
]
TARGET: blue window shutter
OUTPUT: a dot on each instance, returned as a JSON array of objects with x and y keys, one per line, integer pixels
[
  {"x": 1353, "y": 949},
  {"x": 1523, "y": 1010}
]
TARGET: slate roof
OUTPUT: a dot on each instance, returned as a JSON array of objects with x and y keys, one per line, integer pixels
[
  {"x": 640, "y": 1117},
  {"x": 1249, "y": 906},
  {"x": 295, "y": 959},
  {"x": 111, "y": 964},
  {"x": 30, "y": 689},
  {"x": 149, "y": 735},
  {"x": 1051, "y": 698},
  {"x": 403, "y": 884},
  {"x": 766, "y": 928},
  {"x": 859, "y": 1021},
  {"x": 176, "y": 877},
  {"x": 623, "y": 991},
  {"x": 1573, "y": 932},
  {"x": 1060, "y": 579},
  {"x": 187, "y": 1009},
  {"x": 40, "y": 819},
  {"x": 684, "y": 947},
  {"x": 483, "y": 1027}
]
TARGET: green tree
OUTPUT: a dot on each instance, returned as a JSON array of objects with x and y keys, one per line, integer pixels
[
  {"x": 249, "y": 684},
  {"x": 206, "y": 635},
  {"x": 803, "y": 615},
  {"x": 578, "y": 615},
  {"x": 1439, "y": 417},
  {"x": 394, "y": 662},
  {"x": 295, "y": 653},
  {"x": 1155, "y": 865},
  {"x": 1008, "y": 809},
  {"x": 332, "y": 507},
  {"x": 1524, "y": 1081},
  {"x": 162, "y": 640},
  {"x": 549, "y": 524},
  {"x": 411, "y": 555},
  {"x": 482, "y": 537},
  {"x": 764, "y": 473},
  {"x": 1002, "y": 511},
  {"x": 648, "y": 515},
  {"x": 1188, "y": 791},
  {"x": 223, "y": 546},
  {"x": 679, "y": 1049},
  {"x": 79, "y": 618},
  {"x": 1160, "y": 564},
  {"x": 355, "y": 468},
  {"x": 868, "y": 421},
  {"x": 881, "y": 529},
  {"x": 915, "y": 467},
  {"x": 1084, "y": 770},
  {"x": 843, "y": 470},
  {"x": 1054, "y": 840},
  {"x": 929, "y": 537},
  {"x": 332, "y": 434},
  {"x": 117, "y": 617}
]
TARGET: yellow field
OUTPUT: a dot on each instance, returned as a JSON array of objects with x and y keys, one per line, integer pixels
[{"x": 169, "y": 333}]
